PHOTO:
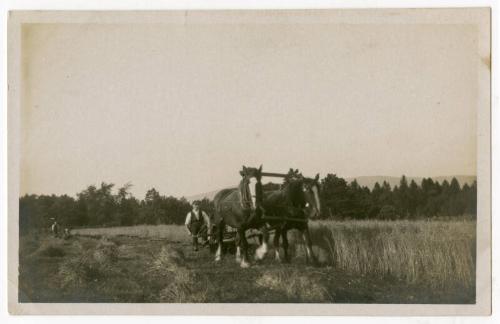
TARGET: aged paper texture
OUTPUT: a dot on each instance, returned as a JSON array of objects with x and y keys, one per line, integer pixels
[{"x": 170, "y": 104}]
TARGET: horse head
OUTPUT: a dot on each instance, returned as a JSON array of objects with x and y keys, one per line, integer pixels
[
  {"x": 249, "y": 172},
  {"x": 311, "y": 188},
  {"x": 303, "y": 194}
]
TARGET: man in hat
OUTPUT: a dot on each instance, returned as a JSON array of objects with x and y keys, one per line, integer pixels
[{"x": 197, "y": 223}]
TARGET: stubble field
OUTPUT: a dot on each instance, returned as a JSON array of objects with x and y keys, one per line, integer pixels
[{"x": 361, "y": 262}]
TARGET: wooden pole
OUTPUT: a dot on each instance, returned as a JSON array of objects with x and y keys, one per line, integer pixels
[{"x": 271, "y": 174}]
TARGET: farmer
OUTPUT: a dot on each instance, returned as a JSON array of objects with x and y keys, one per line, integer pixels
[
  {"x": 55, "y": 228},
  {"x": 198, "y": 223}
]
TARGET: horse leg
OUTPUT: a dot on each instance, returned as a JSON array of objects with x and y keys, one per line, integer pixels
[
  {"x": 244, "y": 248},
  {"x": 261, "y": 251},
  {"x": 237, "y": 242},
  {"x": 276, "y": 243},
  {"x": 220, "y": 241},
  {"x": 284, "y": 234},
  {"x": 309, "y": 252}
]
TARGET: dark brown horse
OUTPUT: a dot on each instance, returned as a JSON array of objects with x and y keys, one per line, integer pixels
[
  {"x": 290, "y": 208},
  {"x": 234, "y": 207}
]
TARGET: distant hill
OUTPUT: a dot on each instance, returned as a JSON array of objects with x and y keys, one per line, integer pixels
[{"x": 367, "y": 181}]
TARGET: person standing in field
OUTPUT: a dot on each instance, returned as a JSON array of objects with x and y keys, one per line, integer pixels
[
  {"x": 198, "y": 223},
  {"x": 55, "y": 229}
]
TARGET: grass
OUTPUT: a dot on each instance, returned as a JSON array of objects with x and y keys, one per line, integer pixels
[
  {"x": 184, "y": 285},
  {"x": 440, "y": 253},
  {"x": 294, "y": 286},
  {"x": 361, "y": 262},
  {"x": 434, "y": 252},
  {"x": 174, "y": 233}
]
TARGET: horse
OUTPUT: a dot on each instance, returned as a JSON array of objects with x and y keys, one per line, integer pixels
[
  {"x": 290, "y": 208},
  {"x": 233, "y": 206}
]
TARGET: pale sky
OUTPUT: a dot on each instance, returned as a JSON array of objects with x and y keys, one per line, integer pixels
[{"x": 182, "y": 107}]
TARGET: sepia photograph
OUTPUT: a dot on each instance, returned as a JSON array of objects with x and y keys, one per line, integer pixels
[{"x": 187, "y": 162}]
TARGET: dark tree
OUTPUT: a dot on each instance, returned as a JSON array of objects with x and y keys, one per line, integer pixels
[
  {"x": 334, "y": 196},
  {"x": 99, "y": 206}
]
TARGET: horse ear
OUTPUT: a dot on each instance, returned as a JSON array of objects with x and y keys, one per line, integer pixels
[
  {"x": 260, "y": 168},
  {"x": 317, "y": 177}
]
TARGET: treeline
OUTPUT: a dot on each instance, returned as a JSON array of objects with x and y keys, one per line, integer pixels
[
  {"x": 342, "y": 200},
  {"x": 100, "y": 206}
]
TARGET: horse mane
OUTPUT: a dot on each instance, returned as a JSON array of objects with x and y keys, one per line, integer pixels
[
  {"x": 291, "y": 193},
  {"x": 245, "y": 194}
]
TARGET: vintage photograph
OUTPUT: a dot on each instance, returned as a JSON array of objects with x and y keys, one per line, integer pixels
[{"x": 298, "y": 157}]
